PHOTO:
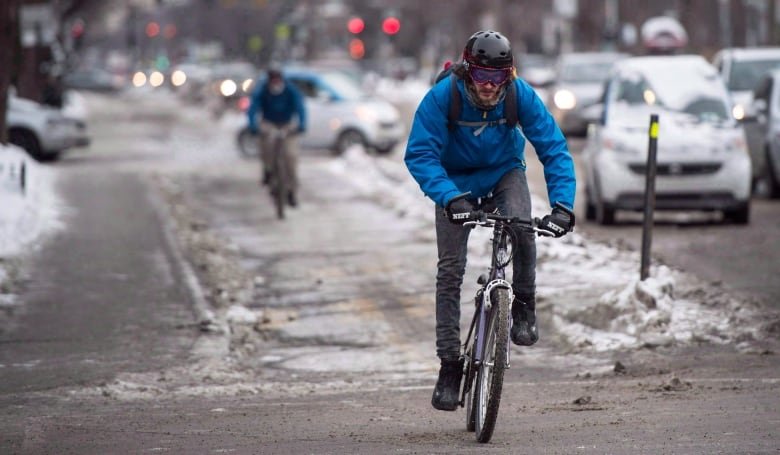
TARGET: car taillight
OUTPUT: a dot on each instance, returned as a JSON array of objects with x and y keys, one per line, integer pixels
[{"x": 243, "y": 103}]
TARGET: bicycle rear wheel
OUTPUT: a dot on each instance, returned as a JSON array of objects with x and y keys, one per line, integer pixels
[
  {"x": 280, "y": 177},
  {"x": 490, "y": 377}
]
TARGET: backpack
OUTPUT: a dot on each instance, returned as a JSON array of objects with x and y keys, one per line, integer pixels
[{"x": 453, "y": 117}]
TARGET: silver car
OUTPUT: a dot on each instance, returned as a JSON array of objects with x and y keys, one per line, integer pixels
[
  {"x": 742, "y": 69},
  {"x": 579, "y": 82}
]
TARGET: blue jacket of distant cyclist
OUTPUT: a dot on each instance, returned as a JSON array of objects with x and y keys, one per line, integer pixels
[
  {"x": 472, "y": 158},
  {"x": 278, "y": 109}
]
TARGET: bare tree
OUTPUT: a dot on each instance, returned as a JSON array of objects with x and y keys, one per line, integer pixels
[{"x": 9, "y": 54}]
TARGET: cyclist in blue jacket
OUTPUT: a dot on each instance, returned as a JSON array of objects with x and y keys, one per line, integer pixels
[
  {"x": 483, "y": 155},
  {"x": 276, "y": 101}
]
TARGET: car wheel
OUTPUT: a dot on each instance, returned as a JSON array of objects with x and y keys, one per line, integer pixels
[
  {"x": 604, "y": 212},
  {"x": 740, "y": 215},
  {"x": 385, "y": 150},
  {"x": 590, "y": 206},
  {"x": 772, "y": 178},
  {"x": 247, "y": 143},
  {"x": 27, "y": 141},
  {"x": 347, "y": 139}
]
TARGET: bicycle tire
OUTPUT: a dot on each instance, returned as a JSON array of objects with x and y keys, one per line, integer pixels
[
  {"x": 470, "y": 382},
  {"x": 490, "y": 377},
  {"x": 280, "y": 173}
]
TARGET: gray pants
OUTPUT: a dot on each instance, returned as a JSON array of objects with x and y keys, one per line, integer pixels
[
  {"x": 513, "y": 198},
  {"x": 266, "y": 154}
]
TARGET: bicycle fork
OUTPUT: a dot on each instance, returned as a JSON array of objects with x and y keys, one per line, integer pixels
[{"x": 479, "y": 324}]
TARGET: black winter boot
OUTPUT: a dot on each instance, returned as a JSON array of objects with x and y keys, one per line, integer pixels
[
  {"x": 524, "y": 331},
  {"x": 446, "y": 395}
]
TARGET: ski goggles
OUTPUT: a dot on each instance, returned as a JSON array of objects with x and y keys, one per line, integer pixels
[{"x": 482, "y": 75}]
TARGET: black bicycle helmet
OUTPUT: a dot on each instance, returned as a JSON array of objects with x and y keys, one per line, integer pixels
[
  {"x": 274, "y": 71},
  {"x": 488, "y": 49}
]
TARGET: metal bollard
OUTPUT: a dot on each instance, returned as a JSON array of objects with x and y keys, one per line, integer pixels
[
  {"x": 650, "y": 172},
  {"x": 23, "y": 176}
]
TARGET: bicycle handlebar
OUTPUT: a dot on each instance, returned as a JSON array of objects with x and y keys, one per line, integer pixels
[{"x": 480, "y": 218}]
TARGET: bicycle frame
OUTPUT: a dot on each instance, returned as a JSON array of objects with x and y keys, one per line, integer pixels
[{"x": 495, "y": 279}]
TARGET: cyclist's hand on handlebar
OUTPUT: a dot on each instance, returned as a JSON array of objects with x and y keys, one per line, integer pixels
[
  {"x": 459, "y": 209},
  {"x": 559, "y": 222}
]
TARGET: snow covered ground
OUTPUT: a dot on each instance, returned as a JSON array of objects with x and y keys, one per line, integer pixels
[{"x": 670, "y": 307}]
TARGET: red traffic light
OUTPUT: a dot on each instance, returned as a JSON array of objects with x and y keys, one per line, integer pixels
[
  {"x": 356, "y": 25},
  {"x": 152, "y": 29},
  {"x": 391, "y": 25},
  {"x": 77, "y": 29}
]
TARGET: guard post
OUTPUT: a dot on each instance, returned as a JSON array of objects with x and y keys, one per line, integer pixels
[{"x": 650, "y": 171}]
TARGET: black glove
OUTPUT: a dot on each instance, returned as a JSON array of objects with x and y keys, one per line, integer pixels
[
  {"x": 559, "y": 222},
  {"x": 459, "y": 209}
]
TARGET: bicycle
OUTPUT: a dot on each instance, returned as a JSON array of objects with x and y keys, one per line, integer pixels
[
  {"x": 278, "y": 183},
  {"x": 486, "y": 348}
]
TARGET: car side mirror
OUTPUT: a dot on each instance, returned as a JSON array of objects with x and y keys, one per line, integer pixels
[{"x": 755, "y": 111}]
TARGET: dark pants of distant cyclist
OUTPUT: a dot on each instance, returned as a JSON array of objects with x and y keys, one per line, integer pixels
[
  {"x": 267, "y": 153},
  {"x": 513, "y": 199}
]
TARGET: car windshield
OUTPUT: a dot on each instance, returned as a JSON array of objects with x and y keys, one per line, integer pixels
[
  {"x": 695, "y": 94},
  {"x": 585, "y": 71},
  {"x": 343, "y": 85},
  {"x": 746, "y": 74}
]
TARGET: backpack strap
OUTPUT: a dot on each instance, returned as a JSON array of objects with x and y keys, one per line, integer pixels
[
  {"x": 510, "y": 105},
  {"x": 455, "y": 104}
]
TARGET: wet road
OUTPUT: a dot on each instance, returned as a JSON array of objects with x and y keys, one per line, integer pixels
[{"x": 327, "y": 343}]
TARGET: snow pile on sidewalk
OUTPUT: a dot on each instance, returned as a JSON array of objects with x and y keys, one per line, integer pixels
[
  {"x": 592, "y": 290},
  {"x": 26, "y": 213}
]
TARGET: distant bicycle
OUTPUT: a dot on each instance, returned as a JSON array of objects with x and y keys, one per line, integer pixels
[
  {"x": 280, "y": 164},
  {"x": 486, "y": 349}
]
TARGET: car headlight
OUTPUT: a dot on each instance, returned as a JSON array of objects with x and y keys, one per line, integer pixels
[
  {"x": 227, "y": 87},
  {"x": 366, "y": 114},
  {"x": 617, "y": 146},
  {"x": 178, "y": 78},
  {"x": 564, "y": 100},
  {"x": 736, "y": 145},
  {"x": 738, "y": 111}
]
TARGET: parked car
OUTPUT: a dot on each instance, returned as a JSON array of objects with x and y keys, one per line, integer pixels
[
  {"x": 537, "y": 70},
  {"x": 579, "y": 82},
  {"x": 44, "y": 132},
  {"x": 93, "y": 79},
  {"x": 765, "y": 154},
  {"x": 742, "y": 69},
  {"x": 340, "y": 113},
  {"x": 702, "y": 161}
]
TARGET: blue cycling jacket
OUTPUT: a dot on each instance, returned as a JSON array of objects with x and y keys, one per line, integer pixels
[
  {"x": 447, "y": 163},
  {"x": 278, "y": 109}
]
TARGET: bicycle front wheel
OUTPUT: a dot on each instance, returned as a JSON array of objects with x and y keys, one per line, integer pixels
[{"x": 490, "y": 377}]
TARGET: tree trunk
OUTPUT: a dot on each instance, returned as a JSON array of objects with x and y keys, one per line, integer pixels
[{"x": 9, "y": 57}]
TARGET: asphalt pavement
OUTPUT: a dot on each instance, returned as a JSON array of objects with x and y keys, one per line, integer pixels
[{"x": 323, "y": 334}]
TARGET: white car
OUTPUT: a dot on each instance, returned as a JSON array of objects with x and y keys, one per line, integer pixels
[
  {"x": 579, "y": 82},
  {"x": 44, "y": 132},
  {"x": 702, "y": 160},
  {"x": 742, "y": 69},
  {"x": 766, "y": 124},
  {"x": 340, "y": 114}
]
